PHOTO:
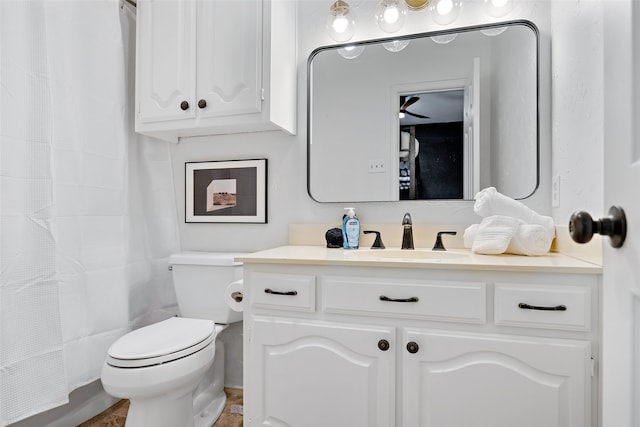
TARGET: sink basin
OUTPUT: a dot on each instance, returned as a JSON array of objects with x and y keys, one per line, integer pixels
[{"x": 416, "y": 254}]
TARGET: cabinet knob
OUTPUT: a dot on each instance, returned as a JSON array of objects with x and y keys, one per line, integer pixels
[
  {"x": 413, "y": 347},
  {"x": 582, "y": 226},
  {"x": 383, "y": 345},
  {"x": 202, "y": 103},
  {"x": 184, "y": 105}
]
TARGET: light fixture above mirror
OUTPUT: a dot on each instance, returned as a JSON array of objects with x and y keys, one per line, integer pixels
[{"x": 391, "y": 15}]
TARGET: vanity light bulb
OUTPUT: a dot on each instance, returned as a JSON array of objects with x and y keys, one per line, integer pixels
[
  {"x": 395, "y": 45},
  {"x": 390, "y": 15},
  {"x": 341, "y": 21},
  {"x": 444, "y": 12},
  {"x": 351, "y": 51},
  {"x": 340, "y": 24},
  {"x": 499, "y": 3},
  {"x": 498, "y": 8},
  {"x": 443, "y": 7}
]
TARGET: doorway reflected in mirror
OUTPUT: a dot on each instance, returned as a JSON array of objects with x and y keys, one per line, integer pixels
[{"x": 431, "y": 158}]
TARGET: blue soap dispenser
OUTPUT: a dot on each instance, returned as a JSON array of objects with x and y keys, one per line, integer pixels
[{"x": 350, "y": 230}]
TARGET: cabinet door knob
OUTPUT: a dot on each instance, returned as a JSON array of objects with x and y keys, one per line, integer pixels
[
  {"x": 413, "y": 347},
  {"x": 383, "y": 345},
  {"x": 202, "y": 103},
  {"x": 184, "y": 105},
  {"x": 582, "y": 226}
]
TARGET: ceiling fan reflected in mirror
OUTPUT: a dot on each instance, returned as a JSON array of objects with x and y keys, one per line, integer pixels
[{"x": 405, "y": 103}]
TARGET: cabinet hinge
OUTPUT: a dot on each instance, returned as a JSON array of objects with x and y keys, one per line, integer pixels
[
  {"x": 262, "y": 94},
  {"x": 593, "y": 367}
]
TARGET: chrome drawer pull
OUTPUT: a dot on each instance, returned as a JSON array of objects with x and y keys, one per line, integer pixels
[
  {"x": 385, "y": 298},
  {"x": 272, "y": 292},
  {"x": 535, "y": 307}
]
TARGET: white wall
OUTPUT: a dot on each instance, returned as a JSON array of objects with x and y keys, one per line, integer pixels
[
  {"x": 288, "y": 201},
  {"x": 578, "y": 106}
]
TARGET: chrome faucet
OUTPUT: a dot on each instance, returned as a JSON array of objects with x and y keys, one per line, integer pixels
[{"x": 407, "y": 234}]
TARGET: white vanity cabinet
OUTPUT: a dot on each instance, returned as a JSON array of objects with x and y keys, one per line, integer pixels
[
  {"x": 213, "y": 67},
  {"x": 335, "y": 345}
]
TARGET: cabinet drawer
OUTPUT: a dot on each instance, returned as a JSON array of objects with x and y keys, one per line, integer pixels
[
  {"x": 455, "y": 301},
  {"x": 283, "y": 291},
  {"x": 543, "y": 306}
]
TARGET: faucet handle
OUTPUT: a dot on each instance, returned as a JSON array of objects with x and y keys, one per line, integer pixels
[
  {"x": 377, "y": 244},
  {"x": 439, "y": 246}
]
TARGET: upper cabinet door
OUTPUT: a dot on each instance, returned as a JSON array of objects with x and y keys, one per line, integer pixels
[
  {"x": 166, "y": 65},
  {"x": 229, "y": 78}
]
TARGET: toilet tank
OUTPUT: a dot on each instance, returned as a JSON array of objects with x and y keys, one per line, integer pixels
[{"x": 200, "y": 280}]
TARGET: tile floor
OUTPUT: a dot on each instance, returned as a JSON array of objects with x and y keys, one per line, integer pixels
[{"x": 117, "y": 414}]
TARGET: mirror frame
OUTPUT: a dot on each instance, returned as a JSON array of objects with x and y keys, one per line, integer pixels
[{"x": 436, "y": 33}]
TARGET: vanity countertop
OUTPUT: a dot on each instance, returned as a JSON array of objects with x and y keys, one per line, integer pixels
[{"x": 459, "y": 259}]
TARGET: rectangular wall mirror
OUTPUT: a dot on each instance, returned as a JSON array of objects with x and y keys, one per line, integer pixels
[{"x": 427, "y": 116}]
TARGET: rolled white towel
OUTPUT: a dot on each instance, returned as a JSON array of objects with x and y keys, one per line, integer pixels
[
  {"x": 490, "y": 202},
  {"x": 530, "y": 239},
  {"x": 470, "y": 235},
  {"x": 494, "y": 234}
]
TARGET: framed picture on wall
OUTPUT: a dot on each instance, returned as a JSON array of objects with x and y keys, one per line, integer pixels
[{"x": 226, "y": 191}]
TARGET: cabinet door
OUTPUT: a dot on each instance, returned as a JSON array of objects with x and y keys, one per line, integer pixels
[
  {"x": 165, "y": 61},
  {"x": 462, "y": 380},
  {"x": 319, "y": 374},
  {"x": 229, "y": 57}
]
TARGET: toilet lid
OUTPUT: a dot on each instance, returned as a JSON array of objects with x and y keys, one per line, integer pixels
[{"x": 161, "y": 342}]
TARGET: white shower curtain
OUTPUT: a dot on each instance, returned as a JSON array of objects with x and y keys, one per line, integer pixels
[{"x": 87, "y": 208}]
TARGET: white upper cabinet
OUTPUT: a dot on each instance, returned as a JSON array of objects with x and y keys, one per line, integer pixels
[{"x": 207, "y": 67}]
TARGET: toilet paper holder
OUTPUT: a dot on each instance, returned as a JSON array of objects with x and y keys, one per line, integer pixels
[{"x": 237, "y": 296}]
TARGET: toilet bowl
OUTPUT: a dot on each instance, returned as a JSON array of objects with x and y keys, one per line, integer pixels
[{"x": 172, "y": 371}]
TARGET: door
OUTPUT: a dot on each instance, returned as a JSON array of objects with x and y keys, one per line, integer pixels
[
  {"x": 166, "y": 60},
  {"x": 229, "y": 57},
  {"x": 309, "y": 374},
  {"x": 621, "y": 277},
  {"x": 461, "y": 380},
  {"x": 471, "y": 132}
]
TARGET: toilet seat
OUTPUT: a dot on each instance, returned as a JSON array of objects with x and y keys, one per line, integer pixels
[{"x": 162, "y": 342}]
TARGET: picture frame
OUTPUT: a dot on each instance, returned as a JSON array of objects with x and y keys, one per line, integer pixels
[{"x": 226, "y": 191}]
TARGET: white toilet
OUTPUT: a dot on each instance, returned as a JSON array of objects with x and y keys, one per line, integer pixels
[{"x": 173, "y": 371}]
